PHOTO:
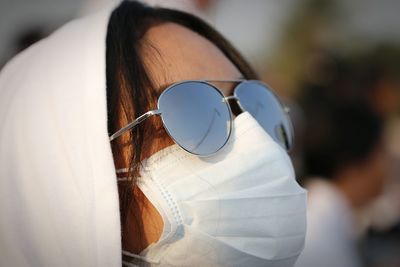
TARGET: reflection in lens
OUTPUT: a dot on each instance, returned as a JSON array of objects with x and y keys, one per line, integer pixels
[
  {"x": 264, "y": 106},
  {"x": 196, "y": 117}
]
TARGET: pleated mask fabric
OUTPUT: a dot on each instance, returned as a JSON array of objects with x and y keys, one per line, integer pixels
[{"x": 240, "y": 207}]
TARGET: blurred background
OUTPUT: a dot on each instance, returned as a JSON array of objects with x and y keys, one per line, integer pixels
[{"x": 336, "y": 64}]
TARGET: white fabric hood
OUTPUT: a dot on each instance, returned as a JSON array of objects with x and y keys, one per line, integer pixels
[{"x": 58, "y": 192}]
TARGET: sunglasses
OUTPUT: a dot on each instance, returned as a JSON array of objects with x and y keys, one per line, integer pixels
[{"x": 198, "y": 117}]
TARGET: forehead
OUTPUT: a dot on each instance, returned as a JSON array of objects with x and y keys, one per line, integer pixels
[{"x": 174, "y": 53}]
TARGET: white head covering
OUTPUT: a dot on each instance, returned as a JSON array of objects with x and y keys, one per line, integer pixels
[{"x": 58, "y": 192}]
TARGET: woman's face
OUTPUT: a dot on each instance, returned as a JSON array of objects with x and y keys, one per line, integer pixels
[{"x": 174, "y": 53}]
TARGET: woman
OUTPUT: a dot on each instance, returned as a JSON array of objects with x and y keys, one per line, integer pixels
[{"x": 196, "y": 187}]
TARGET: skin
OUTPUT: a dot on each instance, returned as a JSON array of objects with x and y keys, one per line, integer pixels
[
  {"x": 385, "y": 96},
  {"x": 180, "y": 54},
  {"x": 363, "y": 182}
]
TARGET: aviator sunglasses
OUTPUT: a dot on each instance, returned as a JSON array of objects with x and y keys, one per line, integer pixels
[{"x": 198, "y": 117}]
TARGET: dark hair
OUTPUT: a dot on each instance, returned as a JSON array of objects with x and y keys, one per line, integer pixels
[
  {"x": 128, "y": 80},
  {"x": 339, "y": 135},
  {"x": 341, "y": 128}
]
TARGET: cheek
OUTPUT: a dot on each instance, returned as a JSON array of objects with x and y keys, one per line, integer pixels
[
  {"x": 158, "y": 144},
  {"x": 155, "y": 138}
]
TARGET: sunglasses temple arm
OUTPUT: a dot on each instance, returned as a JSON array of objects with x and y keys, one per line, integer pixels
[{"x": 134, "y": 123}]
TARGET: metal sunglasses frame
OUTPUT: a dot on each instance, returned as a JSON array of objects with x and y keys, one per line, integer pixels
[{"x": 226, "y": 99}]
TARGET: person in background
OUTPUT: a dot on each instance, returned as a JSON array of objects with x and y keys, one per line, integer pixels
[
  {"x": 344, "y": 166},
  {"x": 380, "y": 71}
]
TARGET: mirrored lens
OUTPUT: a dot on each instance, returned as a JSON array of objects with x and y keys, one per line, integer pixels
[
  {"x": 265, "y": 107},
  {"x": 196, "y": 117}
]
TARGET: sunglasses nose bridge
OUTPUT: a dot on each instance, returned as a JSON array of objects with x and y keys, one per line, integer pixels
[
  {"x": 232, "y": 97},
  {"x": 226, "y": 99},
  {"x": 235, "y": 108}
]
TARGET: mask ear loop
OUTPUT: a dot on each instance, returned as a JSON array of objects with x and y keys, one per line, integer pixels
[
  {"x": 126, "y": 263},
  {"x": 123, "y": 170},
  {"x": 135, "y": 256},
  {"x": 122, "y": 179},
  {"x": 124, "y": 252}
]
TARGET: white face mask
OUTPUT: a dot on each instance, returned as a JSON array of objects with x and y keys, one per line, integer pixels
[{"x": 240, "y": 207}]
